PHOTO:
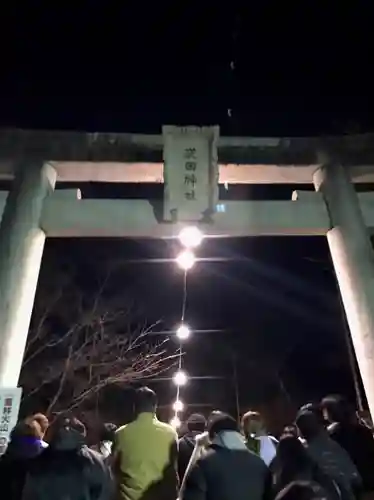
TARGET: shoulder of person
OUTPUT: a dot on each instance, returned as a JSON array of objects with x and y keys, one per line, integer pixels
[
  {"x": 274, "y": 440},
  {"x": 207, "y": 454},
  {"x": 333, "y": 428},
  {"x": 168, "y": 429},
  {"x": 45, "y": 458},
  {"x": 183, "y": 441},
  {"x": 164, "y": 425},
  {"x": 256, "y": 460},
  {"x": 93, "y": 454},
  {"x": 88, "y": 455},
  {"x": 121, "y": 429},
  {"x": 202, "y": 439},
  {"x": 364, "y": 432},
  {"x": 253, "y": 460},
  {"x": 94, "y": 463},
  {"x": 39, "y": 464}
]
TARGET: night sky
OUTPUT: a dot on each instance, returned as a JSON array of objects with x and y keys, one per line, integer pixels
[{"x": 133, "y": 66}]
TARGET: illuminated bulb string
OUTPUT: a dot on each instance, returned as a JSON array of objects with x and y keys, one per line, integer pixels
[
  {"x": 184, "y": 302},
  {"x": 190, "y": 237},
  {"x": 178, "y": 407}
]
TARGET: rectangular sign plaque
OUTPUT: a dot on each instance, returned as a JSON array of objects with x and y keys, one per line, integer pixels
[
  {"x": 10, "y": 400},
  {"x": 190, "y": 172}
]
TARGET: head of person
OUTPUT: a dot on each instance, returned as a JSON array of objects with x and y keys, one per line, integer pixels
[
  {"x": 108, "y": 432},
  {"x": 292, "y": 456},
  {"x": 336, "y": 409},
  {"x": 145, "y": 401},
  {"x": 196, "y": 423},
  {"x": 68, "y": 434},
  {"x": 299, "y": 490},
  {"x": 309, "y": 424},
  {"x": 26, "y": 428},
  {"x": 221, "y": 423},
  {"x": 316, "y": 409},
  {"x": 41, "y": 420},
  {"x": 25, "y": 440},
  {"x": 212, "y": 415},
  {"x": 290, "y": 430},
  {"x": 309, "y": 407},
  {"x": 252, "y": 424}
]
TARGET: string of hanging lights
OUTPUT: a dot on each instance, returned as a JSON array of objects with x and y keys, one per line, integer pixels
[{"x": 190, "y": 238}]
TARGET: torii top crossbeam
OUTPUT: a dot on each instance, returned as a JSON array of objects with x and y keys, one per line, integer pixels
[{"x": 137, "y": 158}]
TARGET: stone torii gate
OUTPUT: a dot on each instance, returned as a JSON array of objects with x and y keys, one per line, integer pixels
[{"x": 190, "y": 162}]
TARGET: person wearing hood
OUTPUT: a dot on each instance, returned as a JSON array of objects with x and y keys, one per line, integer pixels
[
  {"x": 228, "y": 469},
  {"x": 68, "y": 469},
  {"x": 293, "y": 463},
  {"x": 24, "y": 446},
  {"x": 351, "y": 434},
  {"x": 329, "y": 455},
  {"x": 196, "y": 424}
]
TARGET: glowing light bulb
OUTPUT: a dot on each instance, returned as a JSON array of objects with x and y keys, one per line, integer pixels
[
  {"x": 191, "y": 237},
  {"x": 183, "y": 332},
  {"x": 186, "y": 260},
  {"x": 175, "y": 422},
  {"x": 180, "y": 378},
  {"x": 178, "y": 405}
]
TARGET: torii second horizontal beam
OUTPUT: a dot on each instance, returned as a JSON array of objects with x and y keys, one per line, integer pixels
[{"x": 65, "y": 215}]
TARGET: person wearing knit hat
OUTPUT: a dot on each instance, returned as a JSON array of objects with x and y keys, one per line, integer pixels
[{"x": 196, "y": 424}]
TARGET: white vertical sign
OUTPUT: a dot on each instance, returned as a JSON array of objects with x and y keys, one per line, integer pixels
[
  {"x": 190, "y": 172},
  {"x": 10, "y": 400}
]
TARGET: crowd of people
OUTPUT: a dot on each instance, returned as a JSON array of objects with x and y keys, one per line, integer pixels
[{"x": 326, "y": 454}]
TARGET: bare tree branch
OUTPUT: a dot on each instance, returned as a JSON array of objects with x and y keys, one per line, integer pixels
[
  {"x": 79, "y": 345},
  {"x": 62, "y": 381}
]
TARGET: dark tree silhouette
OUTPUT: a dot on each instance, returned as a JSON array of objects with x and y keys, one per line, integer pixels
[{"x": 84, "y": 340}]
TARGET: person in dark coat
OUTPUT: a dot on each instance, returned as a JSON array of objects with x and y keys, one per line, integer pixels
[
  {"x": 301, "y": 490},
  {"x": 292, "y": 463},
  {"x": 24, "y": 446},
  {"x": 357, "y": 439},
  {"x": 196, "y": 424},
  {"x": 329, "y": 455},
  {"x": 68, "y": 469},
  {"x": 228, "y": 470}
]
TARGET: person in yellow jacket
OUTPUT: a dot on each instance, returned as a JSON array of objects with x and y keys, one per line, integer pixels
[{"x": 145, "y": 454}]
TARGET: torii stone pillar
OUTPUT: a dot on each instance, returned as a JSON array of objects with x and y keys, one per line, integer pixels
[
  {"x": 21, "y": 250},
  {"x": 353, "y": 260}
]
